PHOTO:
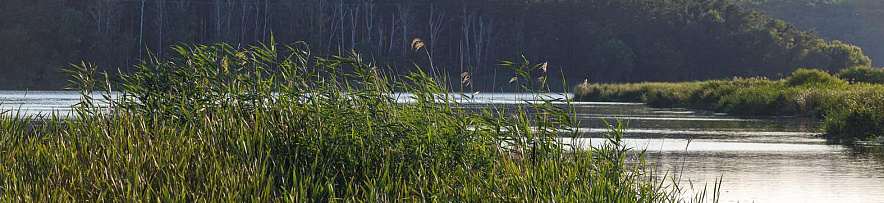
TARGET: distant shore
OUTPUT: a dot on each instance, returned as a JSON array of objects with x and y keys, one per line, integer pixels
[{"x": 851, "y": 111}]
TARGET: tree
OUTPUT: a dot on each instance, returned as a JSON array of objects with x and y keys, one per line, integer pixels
[
  {"x": 846, "y": 56},
  {"x": 616, "y": 58},
  {"x": 141, "y": 31},
  {"x": 104, "y": 13},
  {"x": 436, "y": 20},
  {"x": 160, "y": 24},
  {"x": 404, "y": 10},
  {"x": 652, "y": 39}
]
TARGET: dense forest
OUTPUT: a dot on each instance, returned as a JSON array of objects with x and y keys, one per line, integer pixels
[
  {"x": 859, "y": 22},
  {"x": 595, "y": 40}
]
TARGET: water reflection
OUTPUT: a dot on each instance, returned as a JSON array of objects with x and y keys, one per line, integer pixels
[
  {"x": 30, "y": 103},
  {"x": 760, "y": 159}
]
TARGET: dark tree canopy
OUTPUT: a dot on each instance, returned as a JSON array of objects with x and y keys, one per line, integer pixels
[
  {"x": 598, "y": 40},
  {"x": 858, "y": 22}
]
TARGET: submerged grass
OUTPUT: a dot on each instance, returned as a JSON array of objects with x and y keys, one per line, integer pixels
[
  {"x": 223, "y": 124},
  {"x": 851, "y": 111}
]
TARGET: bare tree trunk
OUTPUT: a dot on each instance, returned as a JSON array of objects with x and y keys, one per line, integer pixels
[
  {"x": 354, "y": 23},
  {"x": 486, "y": 34},
  {"x": 218, "y": 20},
  {"x": 392, "y": 32},
  {"x": 480, "y": 37},
  {"x": 161, "y": 15},
  {"x": 341, "y": 18},
  {"x": 369, "y": 7},
  {"x": 467, "y": 23},
  {"x": 141, "y": 32},
  {"x": 333, "y": 26},
  {"x": 257, "y": 19},
  {"x": 104, "y": 12},
  {"x": 312, "y": 14},
  {"x": 266, "y": 17},
  {"x": 435, "y": 28},
  {"x": 380, "y": 43},
  {"x": 242, "y": 25},
  {"x": 97, "y": 14},
  {"x": 318, "y": 12},
  {"x": 405, "y": 22},
  {"x": 107, "y": 22},
  {"x": 227, "y": 26}
]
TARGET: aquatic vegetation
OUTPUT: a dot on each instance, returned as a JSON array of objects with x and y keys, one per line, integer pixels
[
  {"x": 262, "y": 124},
  {"x": 851, "y": 111},
  {"x": 860, "y": 117}
]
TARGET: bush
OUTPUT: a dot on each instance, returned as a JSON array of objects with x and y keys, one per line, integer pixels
[
  {"x": 859, "y": 122},
  {"x": 765, "y": 100},
  {"x": 862, "y": 75},
  {"x": 812, "y": 77}
]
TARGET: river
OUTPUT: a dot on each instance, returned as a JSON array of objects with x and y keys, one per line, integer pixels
[{"x": 765, "y": 159}]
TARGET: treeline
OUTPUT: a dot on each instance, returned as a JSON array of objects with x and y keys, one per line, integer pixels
[
  {"x": 859, "y": 22},
  {"x": 595, "y": 40}
]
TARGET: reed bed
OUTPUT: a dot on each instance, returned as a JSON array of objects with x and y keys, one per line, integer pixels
[
  {"x": 851, "y": 111},
  {"x": 269, "y": 124}
]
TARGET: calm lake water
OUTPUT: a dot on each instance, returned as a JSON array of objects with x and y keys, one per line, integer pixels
[
  {"x": 760, "y": 159},
  {"x": 30, "y": 103}
]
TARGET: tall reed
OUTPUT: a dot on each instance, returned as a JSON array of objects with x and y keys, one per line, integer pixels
[{"x": 264, "y": 124}]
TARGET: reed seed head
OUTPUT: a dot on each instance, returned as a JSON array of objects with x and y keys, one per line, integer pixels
[
  {"x": 465, "y": 79},
  {"x": 417, "y": 44}
]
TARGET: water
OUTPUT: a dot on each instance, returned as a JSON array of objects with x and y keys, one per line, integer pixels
[
  {"x": 760, "y": 159},
  {"x": 32, "y": 103}
]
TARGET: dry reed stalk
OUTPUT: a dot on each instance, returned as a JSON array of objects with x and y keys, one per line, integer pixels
[{"x": 417, "y": 44}]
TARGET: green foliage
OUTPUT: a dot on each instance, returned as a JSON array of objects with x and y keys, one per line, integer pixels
[
  {"x": 765, "y": 100},
  {"x": 862, "y": 75},
  {"x": 850, "y": 111},
  {"x": 261, "y": 124},
  {"x": 861, "y": 118},
  {"x": 847, "y": 56},
  {"x": 600, "y": 40},
  {"x": 615, "y": 57},
  {"x": 812, "y": 77},
  {"x": 854, "y": 21}
]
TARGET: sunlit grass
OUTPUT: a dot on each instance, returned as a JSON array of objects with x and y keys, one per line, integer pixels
[
  {"x": 221, "y": 124},
  {"x": 854, "y": 111}
]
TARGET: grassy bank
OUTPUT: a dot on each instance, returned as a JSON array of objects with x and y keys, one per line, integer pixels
[
  {"x": 221, "y": 124},
  {"x": 851, "y": 111}
]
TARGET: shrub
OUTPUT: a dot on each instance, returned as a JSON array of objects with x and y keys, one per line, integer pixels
[
  {"x": 862, "y": 75},
  {"x": 765, "y": 100},
  {"x": 861, "y": 116},
  {"x": 859, "y": 122},
  {"x": 812, "y": 77}
]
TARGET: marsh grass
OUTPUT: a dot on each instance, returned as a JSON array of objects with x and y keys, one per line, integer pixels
[
  {"x": 263, "y": 124},
  {"x": 851, "y": 111}
]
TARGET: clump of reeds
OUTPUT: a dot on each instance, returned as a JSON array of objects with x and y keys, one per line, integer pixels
[
  {"x": 851, "y": 111},
  {"x": 264, "y": 124}
]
